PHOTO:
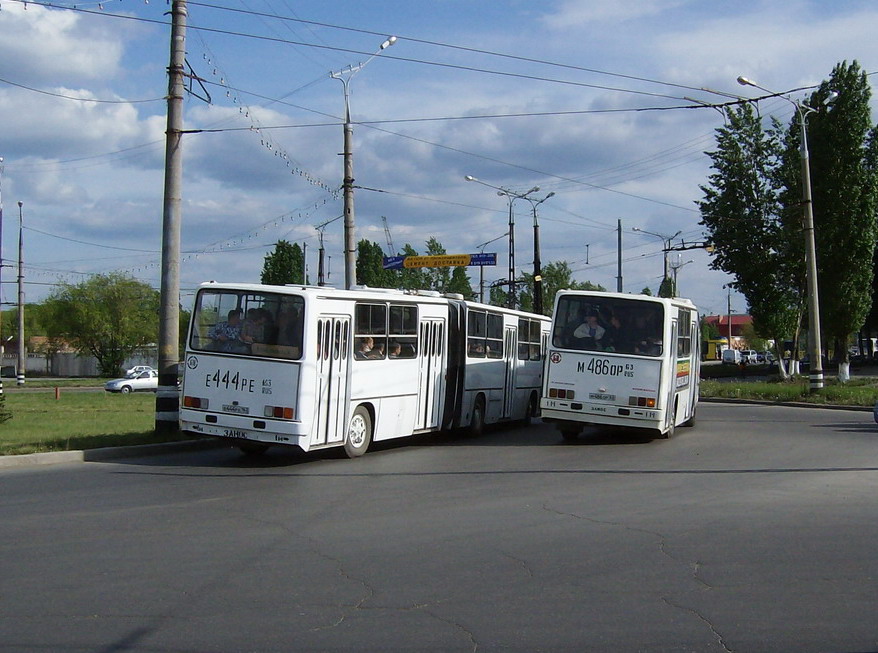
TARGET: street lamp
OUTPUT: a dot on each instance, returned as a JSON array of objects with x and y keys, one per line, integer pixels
[
  {"x": 344, "y": 76},
  {"x": 511, "y": 196},
  {"x": 538, "y": 279},
  {"x": 815, "y": 372},
  {"x": 666, "y": 244},
  {"x": 482, "y": 267},
  {"x": 676, "y": 266}
]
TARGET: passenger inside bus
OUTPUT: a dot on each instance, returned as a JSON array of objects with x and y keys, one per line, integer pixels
[
  {"x": 364, "y": 346},
  {"x": 612, "y": 326},
  {"x": 225, "y": 336}
]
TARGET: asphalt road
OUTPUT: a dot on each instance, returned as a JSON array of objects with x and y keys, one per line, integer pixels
[{"x": 757, "y": 530}]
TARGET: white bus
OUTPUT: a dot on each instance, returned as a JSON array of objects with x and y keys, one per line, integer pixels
[
  {"x": 621, "y": 360},
  {"x": 316, "y": 367}
]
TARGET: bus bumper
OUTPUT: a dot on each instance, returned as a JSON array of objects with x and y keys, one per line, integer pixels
[
  {"x": 243, "y": 429},
  {"x": 625, "y": 416}
]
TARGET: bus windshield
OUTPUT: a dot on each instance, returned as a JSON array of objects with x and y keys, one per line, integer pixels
[
  {"x": 594, "y": 323},
  {"x": 257, "y": 324}
]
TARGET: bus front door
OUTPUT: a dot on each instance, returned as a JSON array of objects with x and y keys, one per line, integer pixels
[
  {"x": 431, "y": 386},
  {"x": 333, "y": 363}
]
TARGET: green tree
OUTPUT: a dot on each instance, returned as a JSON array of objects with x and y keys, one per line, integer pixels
[
  {"x": 460, "y": 283},
  {"x": 284, "y": 265},
  {"x": 841, "y": 139},
  {"x": 413, "y": 278},
  {"x": 667, "y": 288},
  {"x": 646, "y": 291},
  {"x": 753, "y": 241},
  {"x": 370, "y": 267},
  {"x": 108, "y": 316},
  {"x": 437, "y": 278},
  {"x": 556, "y": 276}
]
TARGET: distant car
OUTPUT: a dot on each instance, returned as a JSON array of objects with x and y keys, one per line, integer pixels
[
  {"x": 137, "y": 369},
  {"x": 749, "y": 356},
  {"x": 145, "y": 380},
  {"x": 764, "y": 356},
  {"x": 731, "y": 356}
]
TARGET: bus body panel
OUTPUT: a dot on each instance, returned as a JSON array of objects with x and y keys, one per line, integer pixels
[
  {"x": 237, "y": 394},
  {"x": 656, "y": 391}
]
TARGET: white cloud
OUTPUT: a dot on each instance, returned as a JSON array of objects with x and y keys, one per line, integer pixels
[
  {"x": 572, "y": 14},
  {"x": 41, "y": 45}
]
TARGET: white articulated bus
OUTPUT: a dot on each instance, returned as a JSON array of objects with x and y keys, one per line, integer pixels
[
  {"x": 621, "y": 360},
  {"x": 316, "y": 367}
]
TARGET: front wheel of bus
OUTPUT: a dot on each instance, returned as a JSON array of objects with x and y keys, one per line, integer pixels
[{"x": 359, "y": 433}]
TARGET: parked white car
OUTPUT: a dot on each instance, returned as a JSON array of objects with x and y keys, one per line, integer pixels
[
  {"x": 145, "y": 380},
  {"x": 137, "y": 369}
]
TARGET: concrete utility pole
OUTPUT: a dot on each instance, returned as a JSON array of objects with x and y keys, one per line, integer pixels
[
  {"x": 350, "y": 244},
  {"x": 618, "y": 256},
  {"x": 19, "y": 379},
  {"x": 1, "y": 271},
  {"x": 538, "y": 279},
  {"x": 167, "y": 402}
]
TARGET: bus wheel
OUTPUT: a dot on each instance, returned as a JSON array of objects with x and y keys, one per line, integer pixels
[
  {"x": 533, "y": 410},
  {"x": 359, "y": 433},
  {"x": 477, "y": 421},
  {"x": 253, "y": 448},
  {"x": 690, "y": 421},
  {"x": 667, "y": 435}
]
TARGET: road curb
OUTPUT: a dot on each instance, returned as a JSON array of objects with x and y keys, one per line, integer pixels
[
  {"x": 107, "y": 453},
  {"x": 794, "y": 404}
]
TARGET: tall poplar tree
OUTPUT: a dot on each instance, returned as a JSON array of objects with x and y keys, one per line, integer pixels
[
  {"x": 844, "y": 190},
  {"x": 752, "y": 236}
]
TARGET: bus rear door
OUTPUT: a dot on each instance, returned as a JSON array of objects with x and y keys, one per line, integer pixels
[{"x": 431, "y": 388}]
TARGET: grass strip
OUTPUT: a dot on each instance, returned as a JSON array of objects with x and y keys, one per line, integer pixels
[{"x": 78, "y": 420}]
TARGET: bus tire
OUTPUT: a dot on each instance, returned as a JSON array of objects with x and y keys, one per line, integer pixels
[
  {"x": 689, "y": 422},
  {"x": 533, "y": 410},
  {"x": 253, "y": 448},
  {"x": 358, "y": 436},
  {"x": 477, "y": 420},
  {"x": 667, "y": 435}
]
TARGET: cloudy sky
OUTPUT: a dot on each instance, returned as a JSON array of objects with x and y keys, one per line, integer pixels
[{"x": 596, "y": 101}]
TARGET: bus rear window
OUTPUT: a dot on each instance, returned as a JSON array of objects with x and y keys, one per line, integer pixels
[
  {"x": 590, "y": 323},
  {"x": 264, "y": 325}
]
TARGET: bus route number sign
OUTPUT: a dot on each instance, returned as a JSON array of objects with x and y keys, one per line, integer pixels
[{"x": 605, "y": 367}]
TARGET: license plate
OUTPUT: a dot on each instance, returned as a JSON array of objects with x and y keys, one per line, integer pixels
[
  {"x": 234, "y": 433},
  {"x": 601, "y": 397}
]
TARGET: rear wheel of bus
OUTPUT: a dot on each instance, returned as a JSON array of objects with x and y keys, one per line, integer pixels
[
  {"x": 477, "y": 421},
  {"x": 358, "y": 436}
]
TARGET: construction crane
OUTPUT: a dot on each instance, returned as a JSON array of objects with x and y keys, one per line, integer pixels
[{"x": 391, "y": 250}]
